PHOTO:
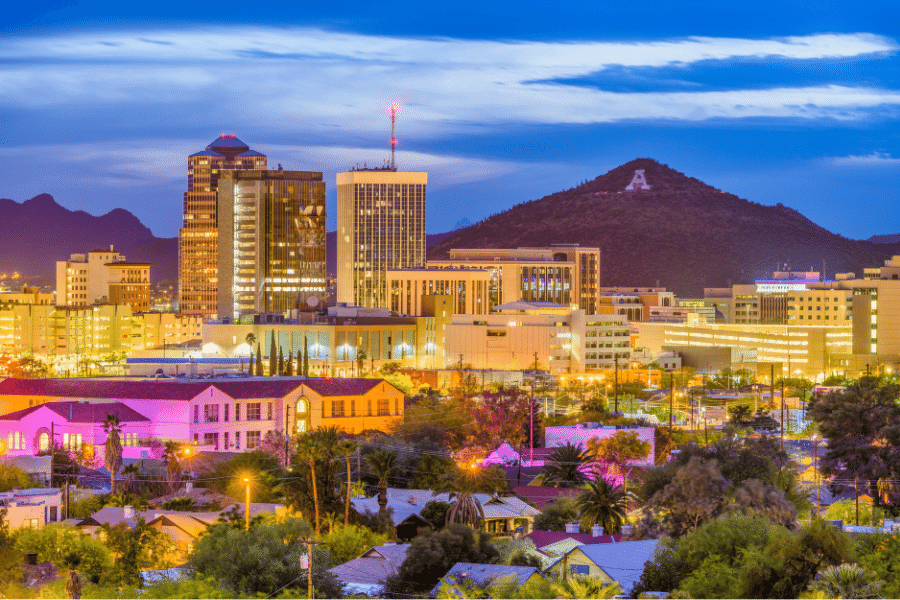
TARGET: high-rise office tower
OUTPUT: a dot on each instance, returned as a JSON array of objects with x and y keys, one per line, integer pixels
[
  {"x": 381, "y": 226},
  {"x": 271, "y": 241},
  {"x": 197, "y": 238}
]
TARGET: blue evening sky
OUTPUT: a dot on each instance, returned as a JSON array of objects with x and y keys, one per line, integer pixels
[{"x": 775, "y": 101}]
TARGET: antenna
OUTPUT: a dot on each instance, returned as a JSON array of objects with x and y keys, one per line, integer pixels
[{"x": 394, "y": 108}]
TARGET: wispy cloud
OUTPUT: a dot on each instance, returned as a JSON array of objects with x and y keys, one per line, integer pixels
[
  {"x": 875, "y": 159},
  {"x": 315, "y": 80}
]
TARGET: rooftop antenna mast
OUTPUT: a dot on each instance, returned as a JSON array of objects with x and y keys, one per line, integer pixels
[{"x": 395, "y": 108}]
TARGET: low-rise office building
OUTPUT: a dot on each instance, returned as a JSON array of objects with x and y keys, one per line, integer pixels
[{"x": 102, "y": 276}]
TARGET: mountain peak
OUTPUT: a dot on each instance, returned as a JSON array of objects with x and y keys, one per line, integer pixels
[
  {"x": 42, "y": 201},
  {"x": 660, "y": 178}
]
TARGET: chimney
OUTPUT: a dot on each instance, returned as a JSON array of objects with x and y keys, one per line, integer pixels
[
  {"x": 128, "y": 512},
  {"x": 188, "y": 487},
  {"x": 573, "y": 526},
  {"x": 596, "y": 530},
  {"x": 412, "y": 499},
  {"x": 627, "y": 530}
]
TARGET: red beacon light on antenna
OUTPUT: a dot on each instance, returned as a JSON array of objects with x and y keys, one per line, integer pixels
[
  {"x": 394, "y": 108},
  {"x": 224, "y": 135}
]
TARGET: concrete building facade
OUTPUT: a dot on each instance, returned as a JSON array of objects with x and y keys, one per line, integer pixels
[
  {"x": 380, "y": 226},
  {"x": 565, "y": 274},
  {"x": 271, "y": 241},
  {"x": 468, "y": 288},
  {"x": 102, "y": 276}
]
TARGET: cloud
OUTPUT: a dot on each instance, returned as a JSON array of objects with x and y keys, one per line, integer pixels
[
  {"x": 875, "y": 159},
  {"x": 320, "y": 81}
]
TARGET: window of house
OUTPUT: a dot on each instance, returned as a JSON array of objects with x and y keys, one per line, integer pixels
[
  {"x": 211, "y": 413},
  {"x": 237, "y": 440},
  {"x": 384, "y": 408},
  {"x": 211, "y": 439},
  {"x": 196, "y": 413},
  {"x": 253, "y": 438},
  {"x": 337, "y": 408},
  {"x": 269, "y": 411},
  {"x": 44, "y": 441},
  {"x": 253, "y": 411},
  {"x": 370, "y": 407},
  {"x": 579, "y": 569},
  {"x": 225, "y": 439},
  {"x": 237, "y": 412},
  {"x": 227, "y": 407}
]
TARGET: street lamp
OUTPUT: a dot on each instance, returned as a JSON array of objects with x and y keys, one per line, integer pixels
[{"x": 247, "y": 506}]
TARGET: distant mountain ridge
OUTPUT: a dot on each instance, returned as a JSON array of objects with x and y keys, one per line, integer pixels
[
  {"x": 38, "y": 232},
  {"x": 682, "y": 233}
]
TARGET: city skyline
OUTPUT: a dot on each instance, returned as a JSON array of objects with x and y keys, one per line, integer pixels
[{"x": 778, "y": 103}]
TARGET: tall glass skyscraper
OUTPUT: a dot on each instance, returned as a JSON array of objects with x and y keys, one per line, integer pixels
[
  {"x": 381, "y": 226},
  {"x": 271, "y": 241},
  {"x": 198, "y": 236}
]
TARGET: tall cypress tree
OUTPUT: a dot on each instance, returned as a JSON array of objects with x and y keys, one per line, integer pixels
[
  {"x": 280, "y": 362},
  {"x": 305, "y": 358},
  {"x": 258, "y": 360},
  {"x": 289, "y": 367},
  {"x": 249, "y": 364},
  {"x": 273, "y": 357}
]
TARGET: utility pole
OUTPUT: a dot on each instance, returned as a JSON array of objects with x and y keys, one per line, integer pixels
[
  {"x": 671, "y": 407},
  {"x": 856, "y": 493},
  {"x": 692, "y": 411},
  {"x": 782, "y": 413},
  {"x": 616, "y": 377},
  {"x": 531, "y": 427},
  {"x": 52, "y": 450},
  {"x": 816, "y": 474},
  {"x": 358, "y": 469},
  {"x": 705, "y": 430}
]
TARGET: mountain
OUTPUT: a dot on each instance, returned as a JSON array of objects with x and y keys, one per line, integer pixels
[
  {"x": 681, "y": 233},
  {"x": 38, "y": 232}
]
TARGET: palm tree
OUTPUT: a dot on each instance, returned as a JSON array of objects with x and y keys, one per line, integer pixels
[
  {"x": 563, "y": 468},
  {"x": 464, "y": 504},
  {"x": 173, "y": 467},
  {"x": 113, "y": 448},
  {"x": 347, "y": 448},
  {"x": 382, "y": 464},
  {"x": 361, "y": 357},
  {"x": 308, "y": 449},
  {"x": 603, "y": 504},
  {"x": 250, "y": 339},
  {"x": 579, "y": 586},
  {"x": 847, "y": 581},
  {"x": 130, "y": 472}
]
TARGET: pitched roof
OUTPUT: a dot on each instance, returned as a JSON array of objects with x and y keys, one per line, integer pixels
[
  {"x": 328, "y": 386},
  {"x": 541, "y": 496},
  {"x": 542, "y": 539},
  {"x": 189, "y": 524},
  {"x": 372, "y": 568},
  {"x": 480, "y": 573},
  {"x": 146, "y": 389},
  {"x": 82, "y": 412},
  {"x": 506, "y": 507},
  {"x": 623, "y": 562}
]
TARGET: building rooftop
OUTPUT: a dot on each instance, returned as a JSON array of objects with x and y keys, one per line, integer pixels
[
  {"x": 482, "y": 573},
  {"x": 82, "y": 412},
  {"x": 228, "y": 145}
]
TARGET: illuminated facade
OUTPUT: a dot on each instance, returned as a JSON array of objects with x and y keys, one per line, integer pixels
[
  {"x": 469, "y": 289},
  {"x": 102, "y": 276},
  {"x": 271, "y": 241},
  {"x": 562, "y": 274},
  {"x": 381, "y": 226},
  {"x": 198, "y": 236}
]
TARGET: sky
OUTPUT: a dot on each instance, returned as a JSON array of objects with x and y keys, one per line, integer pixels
[{"x": 784, "y": 101}]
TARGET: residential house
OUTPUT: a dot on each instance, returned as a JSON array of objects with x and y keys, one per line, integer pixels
[
  {"x": 552, "y": 545},
  {"x": 502, "y": 515},
  {"x": 485, "y": 575},
  {"x": 366, "y": 574},
  {"x": 618, "y": 562},
  {"x": 31, "y": 508}
]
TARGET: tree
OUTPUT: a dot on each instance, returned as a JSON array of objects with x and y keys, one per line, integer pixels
[
  {"x": 349, "y": 542},
  {"x": 309, "y": 450},
  {"x": 848, "y": 581},
  {"x": 263, "y": 560},
  {"x": 464, "y": 504},
  {"x": 361, "y": 357},
  {"x": 305, "y": 358},
  {"x": 250, "y": 339},
  {"x": 250, "y": 364},
  {"x": 603, "y": 504},
  {"x": 501, "y": 416},
  {"x": 620, "y": 449},
  {"x": 173, "y": 467},
  {"x": 556, "y": 514},
  {"x": 862, "y": 427},
  {"x": 113, "y": 448},
  {"x": 130, "y": 472},
  {"x": 756, "y": 497},
  {"x": 879, "y": 554},
  {"x": 273, "y": 356},
  {"x": 581, "y": 586},
  {"x": 289, "y": 367},
  {"x": 347, "y": 448},
  {"x": 430, "y": 470},
  {"x": 66, "y": 547},
  {"x": 696, "y": 494},
  {"x": 259, "y": 367},
  {"x": 432, "y": 554},
  {"x": 12, "y": 476},
  {"x": 381, "y": 464},
  {"x": 563, "y": 467},
  {"x": 435, "y": 512},
  {"x": 280, "y": 361},
  {"x": 131, "y": 547}
]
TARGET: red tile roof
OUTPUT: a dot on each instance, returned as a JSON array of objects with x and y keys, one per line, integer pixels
[
  {"x": 327, "y": 386},
  {"x": 541, "y": 496},
  {"x": 545, "y": 538},
  {"x": 82, "y": 412},
  {"x": 147, "y": 390}
]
